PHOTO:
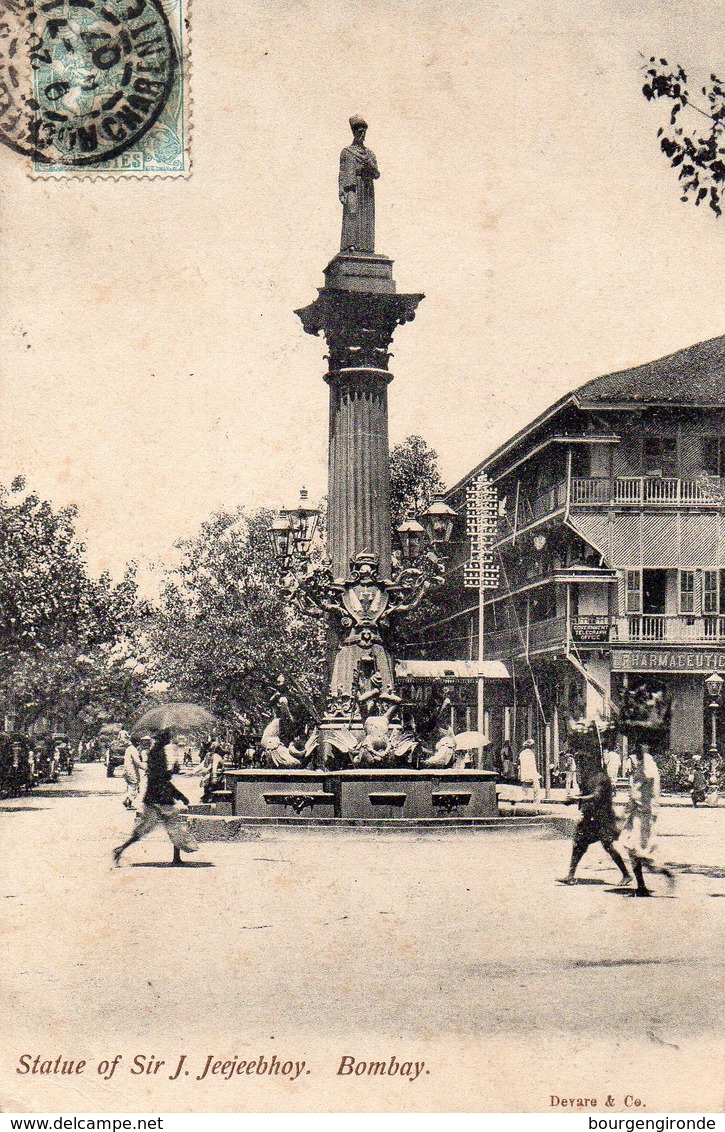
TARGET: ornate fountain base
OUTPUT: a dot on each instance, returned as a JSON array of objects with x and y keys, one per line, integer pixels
[{"x": 361, "y": 795}]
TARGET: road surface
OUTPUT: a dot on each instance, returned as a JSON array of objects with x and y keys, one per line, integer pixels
[{"x": 454, "y": 949}]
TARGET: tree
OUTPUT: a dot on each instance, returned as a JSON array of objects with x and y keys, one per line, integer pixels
[
  {"x": 414, "y": 478},
  {"x": 696, "y": 149},
  {"x": 414, "y": 482},
  {"x": 78, "y": 690},
  {"x": 58, "y": 625},
  {"x": 224, "y": 632}
]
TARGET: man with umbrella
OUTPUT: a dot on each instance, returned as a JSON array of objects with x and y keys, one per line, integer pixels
[{"x": 161, "y": 795}]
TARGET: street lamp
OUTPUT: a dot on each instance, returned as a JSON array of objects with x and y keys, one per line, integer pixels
[
  {"x": 293, "y": 530},
  {"x": 411, "y": 534},
  {"x": 714, "y": 684},
  {"x": 303, "y": 524},
  {"x": 438, "y": 519},
  {"x": 281, "y": 535}
]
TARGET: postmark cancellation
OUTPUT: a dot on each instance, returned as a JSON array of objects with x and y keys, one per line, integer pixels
[{"x": 96, "y": 88}]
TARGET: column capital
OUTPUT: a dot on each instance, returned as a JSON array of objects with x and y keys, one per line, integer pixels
[{"x": 358, "y": 326}]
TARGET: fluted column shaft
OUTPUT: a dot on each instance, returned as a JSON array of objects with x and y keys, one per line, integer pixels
[{"x": 359, "y": 478}]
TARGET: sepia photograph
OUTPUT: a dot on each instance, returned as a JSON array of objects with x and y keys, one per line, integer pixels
[{"x": 362, "y": 557}]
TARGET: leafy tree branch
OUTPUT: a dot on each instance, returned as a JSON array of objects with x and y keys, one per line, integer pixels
[{"x": 697, "y": 151}]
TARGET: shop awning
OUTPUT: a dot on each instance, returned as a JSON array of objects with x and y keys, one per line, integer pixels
[{"x": 451, "y": 670}]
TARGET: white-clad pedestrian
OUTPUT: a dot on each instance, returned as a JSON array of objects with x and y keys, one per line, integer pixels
[
  {"x": 529, "y": 776},
  {"x": 132, "y": 770},
  {"x": 638, "y": 835}
]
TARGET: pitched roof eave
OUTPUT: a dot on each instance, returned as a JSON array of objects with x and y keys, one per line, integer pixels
[{"x": 512, "y": 442}]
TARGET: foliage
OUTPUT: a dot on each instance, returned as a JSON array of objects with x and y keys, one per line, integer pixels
[
  {"x": 58, "y": 626},
  {"x": 81, "y": 651},
  {"x": 414, "y": 482},
  {"x": 224, "y": 632},
  {"x": 414, "y": 478},
  {"x": 77, "y": 691},
  {"x": 698, "y": 149}
]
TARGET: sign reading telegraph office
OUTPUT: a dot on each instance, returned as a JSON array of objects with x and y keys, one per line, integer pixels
[{"x": 669, "y": 660}]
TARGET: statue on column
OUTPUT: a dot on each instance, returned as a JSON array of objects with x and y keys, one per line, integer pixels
[{"x": 358, "y": 170}]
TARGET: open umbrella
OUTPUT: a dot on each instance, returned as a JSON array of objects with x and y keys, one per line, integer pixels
[
  {"x": 470, "y": 740},
  {"x": 174, "y": 717}
]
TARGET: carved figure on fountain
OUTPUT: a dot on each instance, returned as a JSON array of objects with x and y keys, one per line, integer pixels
[{"x": 362, "y": 654}]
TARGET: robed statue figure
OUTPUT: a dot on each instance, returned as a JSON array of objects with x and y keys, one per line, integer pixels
[{"x": 358, "y": 170}]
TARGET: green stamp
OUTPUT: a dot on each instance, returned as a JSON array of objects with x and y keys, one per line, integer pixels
[{"x": 95, "y": 88}]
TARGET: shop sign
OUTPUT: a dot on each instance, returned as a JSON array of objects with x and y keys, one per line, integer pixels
[
  {"x": 461, "y": 691},
  {"x": 669, "y": 660},
  {"x": 589, "y": 634}
]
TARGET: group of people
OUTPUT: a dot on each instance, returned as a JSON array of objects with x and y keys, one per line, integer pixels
[
  {"x": 598, "y": 823},
  {"x": 590, "y": 771},
  {"x": 29, "y": 761},
  {"x": 594, "y": 773}
]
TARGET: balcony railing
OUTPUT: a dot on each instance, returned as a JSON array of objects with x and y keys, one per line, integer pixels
[
  {"x": 667, "y": 628},
  {"x": 596, "y": 630},
  {"x": 545, "y": 633},
  {"x": 638, "y": 491},
  {"x": 530, "y": 511},
  {"x": 591, "y": 630},
  {"x": 626, "y": 491},
  {"x": 504, "y": 642}
]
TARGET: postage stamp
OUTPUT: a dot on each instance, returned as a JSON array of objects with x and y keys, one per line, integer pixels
[{"x": 93, "y": 88}]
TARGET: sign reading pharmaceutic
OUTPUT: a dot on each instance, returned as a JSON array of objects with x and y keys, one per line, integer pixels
[{"x": 670, "y": 660}]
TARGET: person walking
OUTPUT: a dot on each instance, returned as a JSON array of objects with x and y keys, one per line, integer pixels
[
  {"x": 529, "y": 776},
  {"x": 638, "y": 834},
  {"x": 212, "y": 770},
  {"x": 598, "y": 822},
  {"x": 132, "y": 768},
  {"x": 613, "y": 763},
  {"x": 159, "y": 801},
  {"x": 570, "y": 782},
  {"x": 699, "y": 782}
]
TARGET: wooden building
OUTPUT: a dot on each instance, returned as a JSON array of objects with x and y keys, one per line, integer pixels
[{"x": 611, "y": 546}]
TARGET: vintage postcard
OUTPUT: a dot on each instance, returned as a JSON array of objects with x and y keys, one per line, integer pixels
[{"x": 362, "y": 557}]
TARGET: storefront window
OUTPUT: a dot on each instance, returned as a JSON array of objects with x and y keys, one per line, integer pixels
[{"x": 687, "y": 591}]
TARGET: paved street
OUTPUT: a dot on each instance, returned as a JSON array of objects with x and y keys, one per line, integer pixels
[{"x": 455, "y": 948}]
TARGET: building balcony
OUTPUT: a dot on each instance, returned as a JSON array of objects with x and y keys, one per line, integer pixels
[
  {"x": 641, "y": 491},
  {"x": 592, "y": 631},
  {"x": 593, "y": 492},
  {"x": 533, "y": 511},
  {"x": 667, "y": 628},
  {"x": 595, "y": 631}
]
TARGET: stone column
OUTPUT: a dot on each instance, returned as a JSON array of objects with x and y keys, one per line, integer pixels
[
  {"x": 358, "y": 311},
  {"x": 359, "y": 483}
]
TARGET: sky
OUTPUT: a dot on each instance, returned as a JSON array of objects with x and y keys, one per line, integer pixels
[{"x": 151, "y": 367}]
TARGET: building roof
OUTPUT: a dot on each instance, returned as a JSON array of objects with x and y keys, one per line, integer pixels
[
  {"x": 693, "y": 376},
  {"x": 451, "y": 669}
]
